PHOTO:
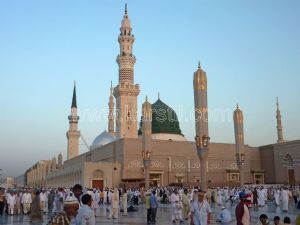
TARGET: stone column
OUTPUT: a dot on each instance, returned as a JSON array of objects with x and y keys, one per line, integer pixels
[{"x": 147, "y": 175}]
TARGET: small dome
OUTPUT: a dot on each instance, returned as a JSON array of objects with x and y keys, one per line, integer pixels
[
  {"x": 164, "y": 119},
  {"x": 102, "y": 139}
]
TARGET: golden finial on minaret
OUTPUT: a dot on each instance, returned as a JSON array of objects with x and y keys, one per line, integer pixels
[
  {"x": 199, "y": 65},
  {"x": 237, "y": 105},
  {"x": 146, "y": 98}
]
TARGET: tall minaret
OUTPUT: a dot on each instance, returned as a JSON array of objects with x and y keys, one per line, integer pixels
[
  {"x": 111, "y": 117},
  {"x": 279, "y": 124},
  {"x": 147, "y": 138},
  {"x": 73, "y": 133},
  {"x": 147, "y": 125},
  {"x": 201, "y": 120},
  {"x": 59, "y": 161},
  {"x": 239, "y": 141},
  {"x": 126, "y": 91},
  {"x": 53, "y": 165}
]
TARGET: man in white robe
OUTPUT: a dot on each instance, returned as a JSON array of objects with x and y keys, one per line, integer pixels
[
  {"x": 115, "y": 200},
  {"x": 261, "y": 197},
  {"x": 226, "y": 194},
  {"x": 175, "y": 198},
  {"x": 26, "y": 201},
  {"x": 11, "y": 202},
  {"x": 284, "y": 200},
  {"x": 276, "y": 197},
  {"x": 124, "y": 202},
  {"x": 43, "y": 200},
  {"x": 85, "y": 214},
  {"x": 219, "y": 197}
]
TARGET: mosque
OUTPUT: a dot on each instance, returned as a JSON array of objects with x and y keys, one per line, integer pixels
[{"x": 117, "y": 156}]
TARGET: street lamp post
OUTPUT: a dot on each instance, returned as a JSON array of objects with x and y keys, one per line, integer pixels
[
  {"x": 146, "y": 155},
  {"x": 240, "y": 161},
  {"x": 202, "y": 151}
]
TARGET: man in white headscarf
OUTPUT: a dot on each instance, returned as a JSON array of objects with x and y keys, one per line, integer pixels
[{"x": 115, "y": 200}]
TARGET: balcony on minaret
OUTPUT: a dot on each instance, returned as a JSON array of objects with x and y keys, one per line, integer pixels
[{"x": 125, "y": 88}]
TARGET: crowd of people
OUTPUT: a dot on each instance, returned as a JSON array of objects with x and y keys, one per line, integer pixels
[{"x": 80, "y": 206}]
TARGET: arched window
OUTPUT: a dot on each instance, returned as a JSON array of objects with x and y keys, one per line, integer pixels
[
  {"x": 289, "y": 161},
  {"x": 98, "y": 174}
]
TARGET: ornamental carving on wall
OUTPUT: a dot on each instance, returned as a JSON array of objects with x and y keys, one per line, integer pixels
[
  {"x": 288, "y": 160},
  {"x": 233, "y": 166},
  {"x": 156, "y": 164},
  {"x": 195, "y": 165},
  {"x": 135, "y": 164},
  {"x": 214, "y": 165},
  {"x": 179, "y": 165}
]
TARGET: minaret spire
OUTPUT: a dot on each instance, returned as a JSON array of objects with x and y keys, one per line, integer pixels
[
  {"x": 125, "y": 8},
  {"x": 73, "y": 133},
  {"x": 279, "y": 123},
  {"x": 74, "y": 101}
]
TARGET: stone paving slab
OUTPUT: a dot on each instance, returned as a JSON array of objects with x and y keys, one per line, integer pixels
[{"x": 163, "y": 216}]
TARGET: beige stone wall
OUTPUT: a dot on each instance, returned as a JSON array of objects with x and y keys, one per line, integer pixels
[
  {"x": 36, "y": 175},
  {"x": 82, "y": 172},
  {"x": 275, "y": 163},
  {"x": 71, "y": 174},
  {"x": 121, "y": 161},
  {"x": 267, "y": 161},
  {"x": 111, "y": 173},
  {"x": 281, "y": 166},
  {"x": 178, "y": 158},
  {"x": 104, "y": 153}
]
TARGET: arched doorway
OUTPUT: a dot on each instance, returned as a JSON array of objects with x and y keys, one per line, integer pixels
[
  {"x": 290, "y": 167},
  {"x": 97, "y": 180}
]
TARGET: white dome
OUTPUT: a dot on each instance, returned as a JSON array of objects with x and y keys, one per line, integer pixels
[{"x": 102, "y": 139}]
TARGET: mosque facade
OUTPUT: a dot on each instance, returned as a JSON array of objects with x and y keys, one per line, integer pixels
[{"x": 117, "y": 156}]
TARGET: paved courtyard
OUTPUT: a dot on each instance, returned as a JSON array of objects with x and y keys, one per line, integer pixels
[{"x": 163, "y": 216}]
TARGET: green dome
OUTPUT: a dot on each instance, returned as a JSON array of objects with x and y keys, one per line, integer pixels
[{"x": 164, "y": 119}]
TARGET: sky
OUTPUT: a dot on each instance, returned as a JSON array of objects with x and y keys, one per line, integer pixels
[{"x": 250, "y": 51}]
